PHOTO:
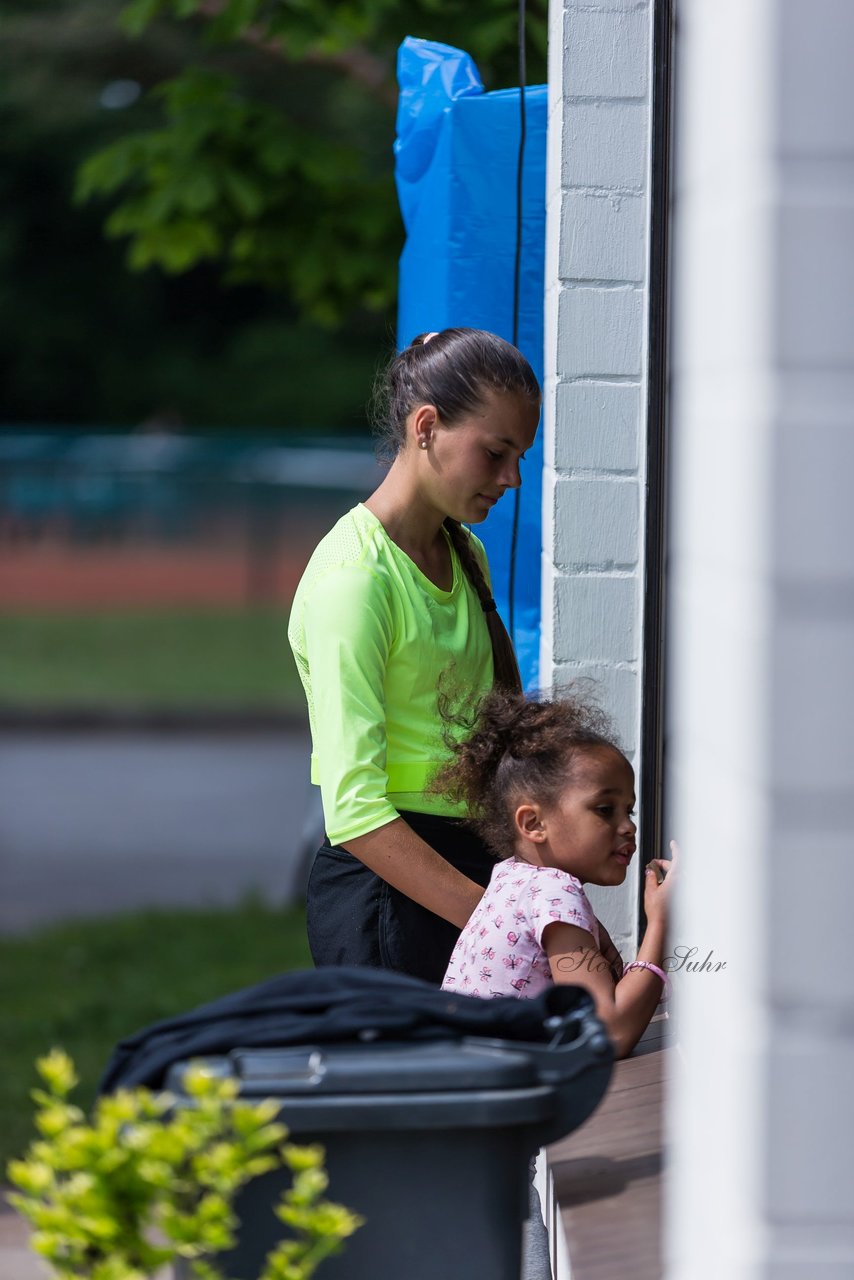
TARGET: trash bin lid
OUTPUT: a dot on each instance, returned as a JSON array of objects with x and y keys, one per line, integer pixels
[
  {"x": 384, "y": 1085},
  {"x": 381, "y": 1067}
]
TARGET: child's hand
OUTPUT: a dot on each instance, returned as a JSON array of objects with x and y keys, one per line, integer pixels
[{"x": 659, "y": 879}]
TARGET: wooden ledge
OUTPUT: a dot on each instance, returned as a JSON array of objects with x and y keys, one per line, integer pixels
[{"x": 607, "y": 1175}]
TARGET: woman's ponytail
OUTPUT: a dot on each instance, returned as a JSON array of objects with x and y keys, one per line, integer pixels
[
  {"x": 505, "y": 666},
  {"x": 454, "y": 370}
]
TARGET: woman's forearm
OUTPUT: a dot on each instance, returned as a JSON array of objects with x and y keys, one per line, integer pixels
[{"x": 396, "y": 854}]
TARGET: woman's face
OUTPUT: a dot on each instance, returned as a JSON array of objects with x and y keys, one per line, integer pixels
[{"x": 468, "y": 466}]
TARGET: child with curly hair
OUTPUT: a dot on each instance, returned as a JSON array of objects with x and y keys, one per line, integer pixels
[{"x": 551, "y": 793}]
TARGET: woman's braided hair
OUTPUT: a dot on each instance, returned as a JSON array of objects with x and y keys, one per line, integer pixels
[
  {"x": 521, "y": 749},
  {"x": 452, "y": 370},
  {"x": 504, "y": 664}
]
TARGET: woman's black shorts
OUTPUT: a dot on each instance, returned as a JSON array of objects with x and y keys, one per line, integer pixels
[{"x": 355, "y": 917}]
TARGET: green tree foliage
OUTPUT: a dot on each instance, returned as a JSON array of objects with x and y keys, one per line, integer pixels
[
  {"x": 146, "y": 1183},
  {"x": 258, "y": 151},
  {"x": 82, "y": 341},
  {"x": 236, "y": 181},
  {"x": 285, "y": 192}
]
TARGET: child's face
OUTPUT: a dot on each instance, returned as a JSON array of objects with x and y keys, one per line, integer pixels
[{"x": 590, "y": 831}]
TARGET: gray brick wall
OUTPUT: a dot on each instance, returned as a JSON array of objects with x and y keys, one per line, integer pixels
[{"x": 596, "y": 324}]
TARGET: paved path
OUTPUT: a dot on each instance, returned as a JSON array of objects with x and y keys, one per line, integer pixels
[
  {"x": 92, "y": 823},
  {"x": 16, "y": 1260}
]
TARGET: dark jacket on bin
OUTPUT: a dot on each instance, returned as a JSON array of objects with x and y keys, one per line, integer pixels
[{"x": 329, "y": 1005}]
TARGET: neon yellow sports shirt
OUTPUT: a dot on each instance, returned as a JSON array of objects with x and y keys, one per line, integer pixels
[{"x": 374, "y": 641}]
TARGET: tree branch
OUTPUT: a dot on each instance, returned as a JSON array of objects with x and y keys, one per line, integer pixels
[
  {"x": 357, "y": 63},
  {"x": 362, "y": 66}
]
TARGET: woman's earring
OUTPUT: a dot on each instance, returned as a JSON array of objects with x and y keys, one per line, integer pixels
[{"x": 422, "y": 444}]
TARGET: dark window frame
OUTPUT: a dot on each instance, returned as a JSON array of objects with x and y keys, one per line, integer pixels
[{"x": 655, "y": 530}]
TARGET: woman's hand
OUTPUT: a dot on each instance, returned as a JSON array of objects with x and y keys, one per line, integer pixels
[{"x": 396, "y": 854}]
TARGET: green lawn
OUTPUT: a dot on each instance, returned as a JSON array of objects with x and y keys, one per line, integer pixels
[
  {"x": 153, "y": 658},
  {"x": 85, "y": 986}
]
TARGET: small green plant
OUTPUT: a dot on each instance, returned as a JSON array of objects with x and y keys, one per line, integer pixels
[{"x": 145, "y": 1183}]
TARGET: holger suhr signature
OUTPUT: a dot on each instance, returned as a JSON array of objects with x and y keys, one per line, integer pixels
[{"x": 681, "y": 960}]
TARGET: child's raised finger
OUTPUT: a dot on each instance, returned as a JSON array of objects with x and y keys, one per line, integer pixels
[{"x": 661, "y": 867}]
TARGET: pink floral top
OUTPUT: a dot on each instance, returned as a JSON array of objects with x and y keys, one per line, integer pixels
[{"x": 500, "y": 951}]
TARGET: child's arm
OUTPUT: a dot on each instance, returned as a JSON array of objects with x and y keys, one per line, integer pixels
[
  {"x": 609, "y": 951},
  {"x": 627, "y": 1006}
]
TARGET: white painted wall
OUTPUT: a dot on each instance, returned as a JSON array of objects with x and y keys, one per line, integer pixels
[
  {"x": 597, "y": 246},
  {"x": 761, "y": 1114}
]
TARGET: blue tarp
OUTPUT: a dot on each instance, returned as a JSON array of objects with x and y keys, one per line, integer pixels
[{"x": 456, "y": 158}]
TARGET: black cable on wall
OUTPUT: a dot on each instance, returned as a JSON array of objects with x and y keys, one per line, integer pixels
[{"x": 517, "y": 275}]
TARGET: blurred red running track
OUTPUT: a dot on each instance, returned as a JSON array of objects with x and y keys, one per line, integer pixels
[{"x": 64, "y": 578}]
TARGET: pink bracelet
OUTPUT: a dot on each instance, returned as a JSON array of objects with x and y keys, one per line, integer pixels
[{"x": 653, "y": 968}]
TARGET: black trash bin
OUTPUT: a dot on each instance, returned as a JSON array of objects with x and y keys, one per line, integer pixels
[{"x": 429, "y": 1141}]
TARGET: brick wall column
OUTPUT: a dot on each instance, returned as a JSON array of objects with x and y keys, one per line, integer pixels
[{"x": 597, "y": 248}]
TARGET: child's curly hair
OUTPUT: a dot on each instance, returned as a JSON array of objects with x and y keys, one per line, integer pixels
[{"x": 520, "y": 749}]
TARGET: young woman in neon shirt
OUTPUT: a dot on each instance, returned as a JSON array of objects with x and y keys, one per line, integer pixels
[{"x": 394, "y": 613}]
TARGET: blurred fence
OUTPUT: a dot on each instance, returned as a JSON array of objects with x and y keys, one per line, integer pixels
[{"x": 160, "y": 518}]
